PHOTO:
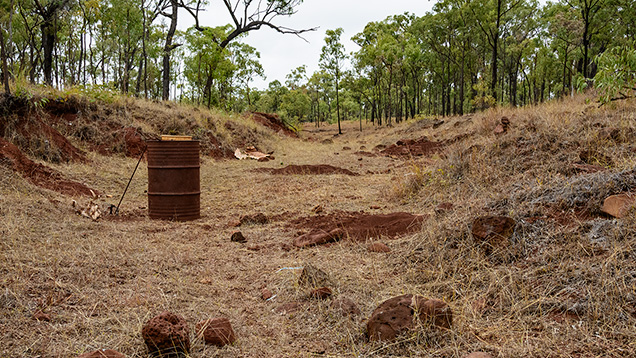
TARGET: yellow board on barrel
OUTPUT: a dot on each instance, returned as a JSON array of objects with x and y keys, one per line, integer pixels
[{"x": 176, "y": 138}]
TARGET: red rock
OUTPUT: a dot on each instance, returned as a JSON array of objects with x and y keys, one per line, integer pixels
[
  {"x": 503, "y": 126},
  {"x": 346, "y": 306},
  {"x": 41, "y": 316},
  {"x": 378, "y": 247},
  {"x": 587, "y": 168},
  {"x": 266, "y": 294},
  {"x": 216, "y": 331},
  {"x": 443, "y": 207},
  {"x": 493, "y": 232},
  {"x": 312, "y": 277},
  {"x": 321, "y": 293},
  {"x": 288, "y": 308},
  {"x": 313, "y": 239},
  {"x": 102, "y": 353},
  {"x": 237, "y": 236},
  {"x": 167, "y": 335},
  {"x": 478, "y": 355},
  {"x": 618, "y": 205},
  {"x": 400, "y": 314}
]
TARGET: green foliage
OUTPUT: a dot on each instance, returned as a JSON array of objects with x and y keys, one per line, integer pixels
[{"x": 616, "y": 78}]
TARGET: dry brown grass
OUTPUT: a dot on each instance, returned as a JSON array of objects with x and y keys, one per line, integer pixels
[{"x": 568, "y": 292}]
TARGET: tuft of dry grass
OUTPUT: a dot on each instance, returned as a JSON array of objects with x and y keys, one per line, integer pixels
[{"x": 568, "y": 291}]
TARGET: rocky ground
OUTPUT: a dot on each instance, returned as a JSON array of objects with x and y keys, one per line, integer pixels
[{"x": 505, "y": 233}]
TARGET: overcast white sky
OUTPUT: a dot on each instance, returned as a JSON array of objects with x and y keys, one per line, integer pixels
[{"x": 282, "y": 53}]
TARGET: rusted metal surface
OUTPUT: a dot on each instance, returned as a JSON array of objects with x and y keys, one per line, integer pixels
[{"x": 174, "y": 191}]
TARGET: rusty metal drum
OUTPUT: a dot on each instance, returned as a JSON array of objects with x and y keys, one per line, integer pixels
[{"x": 174, "y": 191}]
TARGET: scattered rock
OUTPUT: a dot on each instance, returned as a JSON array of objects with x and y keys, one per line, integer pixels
[
  {"x": 321, "y": 293},
  {"x": 375, "y": 207},
  {"x": 378, "y": 247},
  {"x": 319, "y": 238},
  {"x": 479, "y": 306},
  {"x": 618, "y": 205},
  {"x": 478, "y": 355},
  {"x": 289, "y": 307},
  {"x": 318, "y": 209},
  {"x": 400, "y": 314},
  {"x": 312, "y": 276},
  {"x": 258, "y": 218},
  {"x": 167, "y": 335},
  {"x": 346, "y": 148},
  {"x": 578, "y": 168},
  {"x": 443, "y": 208},
  {"x": 41, "y": 316},
  {"x": 346, "y": 306},
  {"x": 216, "y": 331},
  {"x": 102, "y": 353},
  {"x": 266, "y": 294},
  {"x": 237, "y": 236},
  {"x": 493, "y": 232},
  {"x": 503, "y": 126}
]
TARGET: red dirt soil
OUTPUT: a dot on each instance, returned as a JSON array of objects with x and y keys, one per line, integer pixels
[
  {"x": 407, "y": 148},
  {"x": 38, "y": 174},
  {"x": 272, "y": 121},
  {"x": 306, "y": 169},
  {"x": 357, "y": 226}
]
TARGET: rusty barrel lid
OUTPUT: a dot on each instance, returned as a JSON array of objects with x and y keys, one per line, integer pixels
[{"x": 174, "y": 180}]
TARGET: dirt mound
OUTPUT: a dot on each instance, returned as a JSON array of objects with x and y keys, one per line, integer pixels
[
  {"x": 272, "y": 121},
  {"x": 356, "y": 226},
  {"x": 307, "y": 169},
  {"x": 23, "y": 125},
  {"x": 407, "y": 148},
  {"x": 38, "y": 174}
]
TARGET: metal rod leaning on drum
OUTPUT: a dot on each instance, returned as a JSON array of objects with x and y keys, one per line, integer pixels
[{"x": 130, "y": 180}]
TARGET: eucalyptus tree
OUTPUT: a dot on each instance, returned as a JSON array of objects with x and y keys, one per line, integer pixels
[
  {"x": 247, "y": 15},
  {"x": 490, "y": 16},
  {"x": 332, "y": 61},
  {"x": 49, "y": 12}
]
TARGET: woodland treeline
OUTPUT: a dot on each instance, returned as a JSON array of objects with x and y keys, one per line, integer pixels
[{"x": 463, "y": 56}]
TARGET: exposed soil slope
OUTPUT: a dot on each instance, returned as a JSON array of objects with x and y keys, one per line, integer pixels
[{"x": 38, "y": 174}]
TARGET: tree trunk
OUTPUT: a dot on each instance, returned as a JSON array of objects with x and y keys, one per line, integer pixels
[
  {"x": 338, "y": 99},
  {"x": 48, "y": 43},
  {"x": 167, "y": 49},
  {"x": 5, "y": 69}
]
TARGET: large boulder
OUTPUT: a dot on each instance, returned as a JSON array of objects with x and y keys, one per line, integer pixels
[
  {"x": 167, "y": 335},
  {"x": 216, "y": 331},
  {"x": 403, "y": 313}
]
